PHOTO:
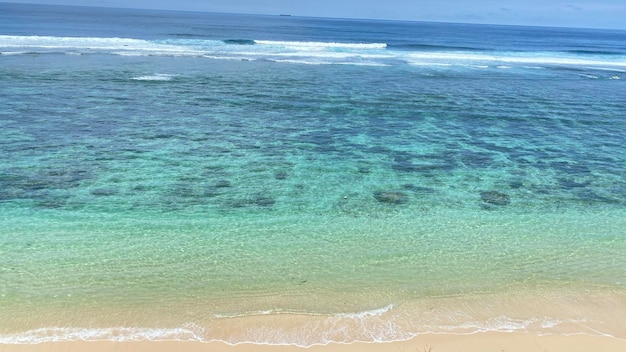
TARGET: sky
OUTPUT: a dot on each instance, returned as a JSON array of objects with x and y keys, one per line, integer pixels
[{"x": 559, "y": 13}]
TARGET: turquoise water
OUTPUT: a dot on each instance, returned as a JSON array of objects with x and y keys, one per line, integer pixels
[{"x": 169, "y": 182}]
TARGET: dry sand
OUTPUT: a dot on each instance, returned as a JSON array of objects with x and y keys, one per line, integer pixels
[{"x": 479, "y": 342}]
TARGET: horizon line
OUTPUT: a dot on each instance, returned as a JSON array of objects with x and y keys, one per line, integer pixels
[{"x": 290, "y": 15}]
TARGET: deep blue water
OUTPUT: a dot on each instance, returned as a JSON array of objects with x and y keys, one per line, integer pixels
[{"x": 302, "y": 165}]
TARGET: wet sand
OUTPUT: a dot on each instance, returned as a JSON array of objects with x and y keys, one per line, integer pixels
[{"x": 479, "y": 342}]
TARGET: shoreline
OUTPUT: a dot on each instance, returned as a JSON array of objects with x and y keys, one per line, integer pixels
[
  {"x": 563, "y": 313},
  {"x": 476, "y": 342}
]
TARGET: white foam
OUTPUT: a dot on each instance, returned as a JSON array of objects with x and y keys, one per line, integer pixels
[
  {"x": 232, "y": 58},
  {"x": 321, "y": 62},
  {"x": 91, "y": 44},
  {"x": 118, "y": 334},
  {"x": 373, "y": 312},
  {"x": 367, "y": 313},
  {"x": 301, "y": 62},
  {"x": 320, "y": 45},
  {"x": 302, "y": 52},
  {"x": 530, "y": 60},
  {"x": 505, "y": 324},
  {"x": 424, "y": 63},
  {"x": 369, "y": 64},
  {"x": 264, "y": 312},
  {"x": 155, "y": 77},
  {"x": 376, "y": 325}
]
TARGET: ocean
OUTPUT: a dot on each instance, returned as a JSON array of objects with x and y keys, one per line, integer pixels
[{"x": 290, "y": 180}]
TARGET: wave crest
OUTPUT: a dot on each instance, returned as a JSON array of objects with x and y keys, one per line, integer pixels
[
  {"x": 321, "y": 45},
  {"x": 374, "y": 326},
  {"x": 309, "y": 52},
  {"x": 189, "y": 332}
]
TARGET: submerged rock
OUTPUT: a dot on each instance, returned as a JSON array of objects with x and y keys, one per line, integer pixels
[
  {"x": 391, "y": 197},
  {"x": 257, "y": 201},
  {"x": 423, "y": 168},
  {"x": 589, "y": 196},
  {"x": 212, "y": 191},
  {"x": 236, "y": 203},
  {"x": 417, "y": 189},
  {"x": 103, "y": 192},
  {"x": 141, "y": 188},
  {"x": 281, "y": 175},
  {"x": 571, "y": 183},
  {"x": 363, "y": 170},
  {"x": 495, "y": 198},
  {"x": 264, "y": 201},
  {"x": 222, "y": 184},
  {"x": 50, "y": 203}
]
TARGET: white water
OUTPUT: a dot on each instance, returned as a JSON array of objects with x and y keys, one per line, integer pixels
[{"x": 305, "y": 52}]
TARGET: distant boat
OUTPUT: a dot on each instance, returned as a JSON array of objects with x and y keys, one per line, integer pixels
[{"x": 285, "y": 15}]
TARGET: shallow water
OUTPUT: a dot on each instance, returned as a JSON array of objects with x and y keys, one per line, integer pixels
[{"x": 182, "y": 179}]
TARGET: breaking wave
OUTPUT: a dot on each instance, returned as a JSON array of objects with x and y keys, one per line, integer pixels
[
  {"x": 309, "y": 52},
  {"x": 286, "y": 328},
  {"x": 159, "y": 77},
  {"x": 320, "y": 45},
  {"x": 118, "y": 334}
]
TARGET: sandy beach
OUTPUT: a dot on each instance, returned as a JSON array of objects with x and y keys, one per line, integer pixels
[
  {"x": 198, "y": 181},
  {"x": 582, "y": 321},
  {"x": 479, "y": 342}
]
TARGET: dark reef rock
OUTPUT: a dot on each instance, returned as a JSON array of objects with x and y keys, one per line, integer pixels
[
  {"x": 391, "y": 197},
  {"x": 141, "y": 188},
  {"x": 476, "y": 159},
  {"x": 257, "y": 201},
  {"x": 571, "y": 168},
  {"x": 281, "y": 175},
  {"x": 495, "y": 198},
  {"x": 212, "y": 191},
  {"x": 50, "y": 203},
  {"x": 222, "y": 184},
  {"x": 571, "y": 183},
  {"x": 425, "y": 169},
  {"x": 405, "y": 167},
  {"x": 264, "y": 201},
  {"x": 103, "y": 192},
  {"x": 417, "y": 189},
  {"x": 590, "y": 197},
  {"x": 236, "y": 203}
]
